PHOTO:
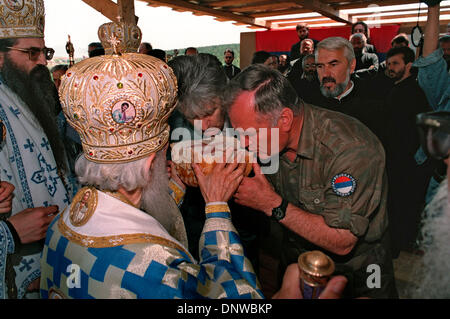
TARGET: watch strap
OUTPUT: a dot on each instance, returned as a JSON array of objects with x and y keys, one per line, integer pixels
[{"x": 282, "y": 207}]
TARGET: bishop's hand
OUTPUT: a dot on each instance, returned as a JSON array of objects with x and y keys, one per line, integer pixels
[{"x": 221, "y": 183}]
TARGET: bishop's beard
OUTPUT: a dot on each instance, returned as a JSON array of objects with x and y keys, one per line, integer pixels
[
  {"x": 431, "y": 275},
  {"x": 157, "y": 202},
  {"x": 39, "y": 93}
]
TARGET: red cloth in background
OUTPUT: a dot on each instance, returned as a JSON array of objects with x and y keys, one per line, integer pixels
[
  {"x": 282, "y": 40},
  {"x": 381, "y": 37}
]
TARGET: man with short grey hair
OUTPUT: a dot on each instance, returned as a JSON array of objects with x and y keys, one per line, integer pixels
[
  {"x": 366, "y": 63},
  {"x": 329, "y": 192},
  {"x": 342, "y": 92}
]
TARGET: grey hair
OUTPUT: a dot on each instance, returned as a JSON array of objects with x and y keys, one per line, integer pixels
[
  {"x": 105, "y": 176},
  {"x": 273, "y": 91},
  {"x": 307, "y": 40},
  {"x": 305, "y": 58},
  {"x": 337, "y": 43},
  {"x": 201, "y": 80},
  {"x": 361, "y": 36}
]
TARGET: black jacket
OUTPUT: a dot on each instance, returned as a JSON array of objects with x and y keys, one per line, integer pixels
[
  {"x": 295, "y": 49},
  {"x": 231, "y": 71},
  {"x": 364, "y": 62},
  {"x": 359, "y": 104}
]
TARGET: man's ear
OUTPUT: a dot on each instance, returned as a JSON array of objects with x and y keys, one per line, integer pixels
[
  {"x": 149, "y": 162},
  {"x": 352, "y": 66},
  {"x": 286, "y": 119}
]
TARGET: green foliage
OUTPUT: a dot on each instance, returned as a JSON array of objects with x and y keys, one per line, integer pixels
[{"x": 216, "y": 50}]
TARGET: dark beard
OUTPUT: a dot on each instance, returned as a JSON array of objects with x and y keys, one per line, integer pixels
[{"x": 39, "y": 93}]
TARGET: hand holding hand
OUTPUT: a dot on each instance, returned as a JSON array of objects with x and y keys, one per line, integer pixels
[
  {"x": 257, "y": 193},
  {"x": 6, "y": 196},
  {"x": 221, "y": 183},
  {"x": 31, "y": 224}
]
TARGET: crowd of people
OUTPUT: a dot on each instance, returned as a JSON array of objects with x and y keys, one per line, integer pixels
[{"x": 88, "y": 181}]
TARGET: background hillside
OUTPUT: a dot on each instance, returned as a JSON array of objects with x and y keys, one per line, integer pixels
[{"x": 216, "y": 50}]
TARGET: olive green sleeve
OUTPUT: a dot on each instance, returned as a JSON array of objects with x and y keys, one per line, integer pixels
[{"x": 354, "y": 209}]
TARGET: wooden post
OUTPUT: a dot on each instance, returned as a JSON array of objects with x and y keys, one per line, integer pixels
[
  {"x": 126, "y": 11},
  {"x": 111, "y": 10}
]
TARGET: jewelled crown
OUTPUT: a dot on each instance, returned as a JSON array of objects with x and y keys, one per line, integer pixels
[
  {"x": 120, "y": 103},
  {"x": 130, "y": 37},
  {"x": 22, "y": 19}
]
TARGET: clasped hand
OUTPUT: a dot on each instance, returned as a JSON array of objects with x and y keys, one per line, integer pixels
[
  {"x": 221, "y": 183},
  {"x": 257, "y": 193}
]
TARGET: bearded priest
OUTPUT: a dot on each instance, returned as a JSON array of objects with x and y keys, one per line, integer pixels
[{"x": 123, "y": 235}]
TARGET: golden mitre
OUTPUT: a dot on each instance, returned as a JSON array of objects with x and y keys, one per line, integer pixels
[
  {"x": 120, "y": 103},
  {"x": 22, "y": 19}
]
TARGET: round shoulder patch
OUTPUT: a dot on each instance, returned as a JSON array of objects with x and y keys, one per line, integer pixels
[{"x": 343, "y": 184}]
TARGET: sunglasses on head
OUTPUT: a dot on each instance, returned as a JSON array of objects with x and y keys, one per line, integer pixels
[
  {"x": 34, "y": 53},
  {"x": 434, "y": 131}
]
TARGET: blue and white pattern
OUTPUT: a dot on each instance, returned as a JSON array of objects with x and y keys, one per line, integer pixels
[
  {"x": 6, "y": 247},
  {"x": 151, "y": 269},
  {"x": 27, "y": 162}
]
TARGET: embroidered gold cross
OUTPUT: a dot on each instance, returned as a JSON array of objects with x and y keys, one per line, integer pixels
[{"x": 114, "y": 41}]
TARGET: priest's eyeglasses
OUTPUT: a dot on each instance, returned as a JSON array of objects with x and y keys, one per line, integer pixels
[
  {"x": 434, "y": 130},
  {"x": 34, "y": 53}
]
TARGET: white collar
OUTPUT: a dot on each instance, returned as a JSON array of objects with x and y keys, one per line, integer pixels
[
  {"x": 346, "y": 92},
  {"x": 113, "y": 217}
]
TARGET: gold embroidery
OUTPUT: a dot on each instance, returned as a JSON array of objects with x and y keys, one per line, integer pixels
[
  {"x": 178, "y": 193},
  {"x": 83, "y": 206},
  {"x": 217, "y": 208},
  {"x": 128, "y": 37},
  {"x": 116, "y": 240},
  {"x": 119, "y": 105},
  {"x": 22, "y": 19}
]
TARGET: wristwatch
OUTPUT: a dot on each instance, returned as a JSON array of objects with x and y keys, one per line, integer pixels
[{"x": 279, "y": 212}]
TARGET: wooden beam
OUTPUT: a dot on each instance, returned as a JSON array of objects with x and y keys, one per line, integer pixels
[
  {"x": 325, "y": 10},
  {"x": 266, "y": 6},
  {"x": 298, "y": 20},
  {"x": 108, "y": 8},
  {"x": 229, "y": 3},
  {"x": 366, "y": 3},
  {"x": 180, "y": 4},
  {"x": 279, "y": 13},
  {"x": 126, "y": 11},
  {"x": 311, "y": 24}
]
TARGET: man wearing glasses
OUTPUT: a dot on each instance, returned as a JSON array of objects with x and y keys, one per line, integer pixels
[{"x": 32, "y": 157}]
